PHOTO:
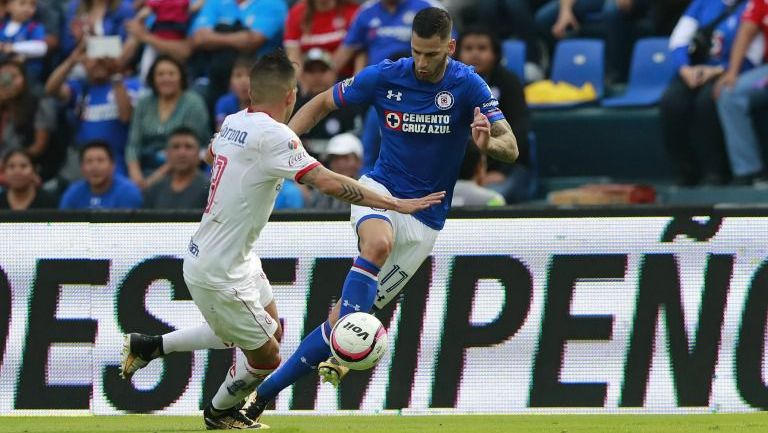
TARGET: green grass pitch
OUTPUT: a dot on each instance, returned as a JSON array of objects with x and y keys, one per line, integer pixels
[{"x": 712, "y": 423}]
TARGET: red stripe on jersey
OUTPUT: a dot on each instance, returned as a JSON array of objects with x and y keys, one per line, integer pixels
[
  {"x": 304, "y": 171},
  {"x": 252, "y": 111}
]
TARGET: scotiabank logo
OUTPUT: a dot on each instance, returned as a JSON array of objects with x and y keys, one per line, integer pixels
[{"x": 393, "y": 119}]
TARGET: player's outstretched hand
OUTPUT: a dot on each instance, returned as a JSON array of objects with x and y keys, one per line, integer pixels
[
  {"x": 412, "y": 205},
  {"x": 481, "y": 130}
]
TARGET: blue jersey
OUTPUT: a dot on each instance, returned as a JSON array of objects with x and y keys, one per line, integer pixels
[
  {"x": 99, "y": 117},
  {"x": 381, "y": 33},
  {"x": 122, "y": 194},
  {"x": 701, "y": 13},
  {"x": 226, "y": 105},
  {"x": 30, "y": 30},
  {"x": 113, "y": 22},
  {"x": 424, "y": 126},
  {"x": 264, "y": 16}
]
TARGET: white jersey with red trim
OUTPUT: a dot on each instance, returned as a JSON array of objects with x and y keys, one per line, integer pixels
[{"x": 252, "y": 153}]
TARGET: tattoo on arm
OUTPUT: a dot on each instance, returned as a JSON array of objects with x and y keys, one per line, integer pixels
[
  {"x": 499, "y": 128},
  {"x": 350, "y": 193},
  {"x": 503, "y": 145},
  {"x": 333, "y": 184}
]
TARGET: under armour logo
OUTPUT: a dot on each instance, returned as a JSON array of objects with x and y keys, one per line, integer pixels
[
  {"x": 398, "y": 95},
  {"x": 304, "y": 361},
  {"x": 354, "y": 307}
]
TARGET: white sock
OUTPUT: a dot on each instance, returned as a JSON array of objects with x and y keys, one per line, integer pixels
[
  {"x": 239, "y": 383},
  {"x": 191, "y": 339}
]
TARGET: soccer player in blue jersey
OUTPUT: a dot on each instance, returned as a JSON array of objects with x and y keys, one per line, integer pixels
[{"x": 427, "y": 105}]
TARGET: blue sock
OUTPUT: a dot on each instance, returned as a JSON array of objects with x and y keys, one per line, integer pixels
[
  {"x": 358, "y": 294},
  {"x": 311, "y": 351},
  {"x": 359, "y": 291}
]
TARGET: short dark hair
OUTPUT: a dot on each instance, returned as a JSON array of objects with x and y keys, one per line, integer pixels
[
  {"x": 166, "y": 58},
  {"x": 471, "y": 159},
  {"x": 97, "y": 144},
  {"x": 245, "y": 62},
  {"x": 432, "y": 21},
  {"x": 480, "y": 31},
  {"x": 13, "y": 152},
  {"x": 272, "y": 76},
  {"x": 184, "y": 130}
]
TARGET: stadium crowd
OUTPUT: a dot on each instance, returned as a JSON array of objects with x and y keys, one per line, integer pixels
[{"x": 109, "y": 103}]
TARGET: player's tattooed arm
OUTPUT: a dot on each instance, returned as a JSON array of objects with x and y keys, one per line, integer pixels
[
  {"x": 352, "y": 191},
  {"x": 496, "y": 140},
  {"x": 312, "y": 112},
  {"x": 503, "y": 143}
]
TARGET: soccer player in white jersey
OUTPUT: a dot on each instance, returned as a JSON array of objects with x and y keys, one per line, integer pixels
[{"x": 251, "y": 155}]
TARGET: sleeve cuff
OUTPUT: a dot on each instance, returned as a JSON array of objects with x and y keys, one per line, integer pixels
[
  {"x": 304, "y": 171},
  {"x": 495, "y": 116},
  {"x": 338, "y": 95}
]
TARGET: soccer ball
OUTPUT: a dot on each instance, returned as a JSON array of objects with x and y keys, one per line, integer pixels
[{"x": 358, "y": 341}]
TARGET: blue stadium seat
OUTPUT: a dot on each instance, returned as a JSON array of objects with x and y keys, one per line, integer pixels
[
  {"x": 649, "y": 76},
  {"x": 578, "y": 61},
  {"x": 513, "y": 57}
]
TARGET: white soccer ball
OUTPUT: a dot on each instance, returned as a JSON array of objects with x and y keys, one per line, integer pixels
[{"x": 358, "y": 341}]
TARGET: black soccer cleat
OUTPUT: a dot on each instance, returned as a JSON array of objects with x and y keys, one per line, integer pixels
[
  {"x": 254, "y": 407},
  {"x": 138, "y": 350},
  {"x": 230, "y": 419}
]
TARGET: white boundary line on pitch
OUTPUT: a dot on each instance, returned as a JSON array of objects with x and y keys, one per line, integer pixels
[{"x": 408, "y": 412}]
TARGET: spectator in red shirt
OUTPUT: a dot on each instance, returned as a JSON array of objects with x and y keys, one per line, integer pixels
[
  {"x": 733, "y": 92},
  {"x": 171, "y": 18},
  {"x": 317, "y": 24}
]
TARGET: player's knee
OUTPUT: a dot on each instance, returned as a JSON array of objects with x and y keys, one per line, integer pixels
[
  {"x": 270, "y": 353},
  {"x": 275, "y": 359},
  {"x": 376, "y": 249},
  {"x": 278, "y": 333},
  {"x": 333, "y": 315}
]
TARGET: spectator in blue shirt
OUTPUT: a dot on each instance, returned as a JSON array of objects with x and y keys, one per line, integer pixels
[
  {"x": 102, "y": 101},
  {"x": 380, "y": 29},
  {"x": 94, "y": 18},
  {"x": 689, "y": 119},
  {"x": 102, "y": 188},
  {"x": 225, "y": 29},
  {"x": 238, "y": 96},
  {"x": 22, "y": 36}
]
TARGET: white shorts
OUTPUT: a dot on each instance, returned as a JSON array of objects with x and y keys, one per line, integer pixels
[
  {"x": 237, "y": 314},
  {"x": 413, "y": 243}
]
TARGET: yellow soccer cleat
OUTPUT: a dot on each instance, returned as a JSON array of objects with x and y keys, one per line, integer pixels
[{"x": 330, "y": 371}]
